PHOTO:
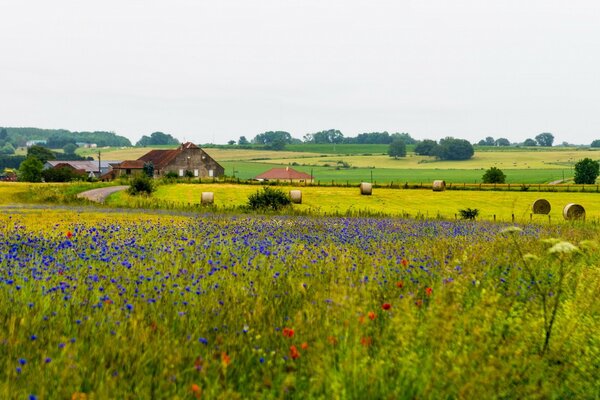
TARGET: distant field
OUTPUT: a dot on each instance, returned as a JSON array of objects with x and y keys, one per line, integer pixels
[
  {"x": 248, "y": 170},
  {"x": 392, "y": 201},
  {"x": 341, "y": 148}
]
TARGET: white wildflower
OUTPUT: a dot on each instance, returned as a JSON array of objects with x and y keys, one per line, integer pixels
[{"x": 563, "y": 248}]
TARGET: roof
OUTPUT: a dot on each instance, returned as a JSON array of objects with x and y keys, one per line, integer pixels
[
  {"x": 160, "y": 158},
  {"x": 283, "y": 174},
  {"x": 131, "y": 164},
  {"x": 87, "y": 166}
]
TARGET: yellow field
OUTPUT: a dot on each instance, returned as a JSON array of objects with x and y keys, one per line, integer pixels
[
  {"x": 392, "y": 201},
  {"x": 560, "y": 159}
]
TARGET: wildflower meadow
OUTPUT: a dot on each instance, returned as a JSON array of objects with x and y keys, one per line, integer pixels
[{"x": 148, "y": 305}]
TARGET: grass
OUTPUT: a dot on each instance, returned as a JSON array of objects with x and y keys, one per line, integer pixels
[
  {"x": 137, "y": 305},
  {"x": 416, "y": 203}
]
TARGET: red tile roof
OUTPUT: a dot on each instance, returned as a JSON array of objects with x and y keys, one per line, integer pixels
[
  {"x": 284, "y": 174},
  {"x": 160, "y": 158},
  {"x": 131, "y": 164}
]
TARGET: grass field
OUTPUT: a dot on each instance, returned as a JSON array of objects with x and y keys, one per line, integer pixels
[
  {"x": 97, "y": 304},
  {"x": 424, "y": 203}
]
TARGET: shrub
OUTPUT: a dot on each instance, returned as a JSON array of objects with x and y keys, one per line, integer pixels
[
  {"x": 171, "y": 175},
  {"x": 468, "y": 213},
  {"x": 268, "y": 198},
  {"x": 494, "y": 175},
  {"x": 141, "y": 184},
  {"x": 586, "y": 171}
]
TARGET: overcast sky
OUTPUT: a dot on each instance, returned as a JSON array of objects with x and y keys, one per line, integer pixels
[{"x": 211, "y": 71}]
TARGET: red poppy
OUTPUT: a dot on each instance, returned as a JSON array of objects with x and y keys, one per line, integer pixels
[
  {"x": 366, "y": 341},
  {"x": 428, "y": 291},
  {"x": 294, "y": 353},
  {"x": 400, "y": 284},
  {"x": 225, "y": 359},
  {"x": 372, "y": 315},
  {"x": 386, "y": 306},
  {"x": 288, "y": 332},
  {"x": 304, "y": 346},
  {"x": 69, "y": 234},
  {"x": 332, "y": 340},
  {"x": 404, "y": 262}
]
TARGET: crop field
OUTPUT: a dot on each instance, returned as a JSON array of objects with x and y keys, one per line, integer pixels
[
  {"x": 501, "y": 205},
  {"x": 104, "y": 304}
]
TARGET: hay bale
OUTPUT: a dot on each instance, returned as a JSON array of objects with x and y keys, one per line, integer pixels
[
  {"x": 296, "y": 196},
  {"x": 574, "y": 211},
  {"x": 366, "y": 189},
  {"x": 208, "y": 198},
  {"x": 541, "y": 206},
  {"x": 439, "y": 186}
]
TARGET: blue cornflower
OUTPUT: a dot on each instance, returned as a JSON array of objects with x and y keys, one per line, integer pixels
[{"x": 203, "y": 340}]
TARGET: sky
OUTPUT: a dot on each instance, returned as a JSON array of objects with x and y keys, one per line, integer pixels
[{"x": 212, "y": 71}]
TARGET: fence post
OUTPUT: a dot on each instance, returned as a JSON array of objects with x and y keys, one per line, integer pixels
[{"x": 513, "y": 218}]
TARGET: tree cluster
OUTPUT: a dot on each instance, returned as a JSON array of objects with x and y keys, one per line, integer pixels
[
  {"x": 58, "y": 138},
  {"x": 490, "y": 141},
  {"x": 273, "y": 140},
  {"x": 586, "y": 171},
  {"x": 157, "y": 139},
  {"x": 447, "y": 149}
]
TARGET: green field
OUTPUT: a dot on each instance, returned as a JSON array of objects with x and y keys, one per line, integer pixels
[{"x": 352, "y": 164}]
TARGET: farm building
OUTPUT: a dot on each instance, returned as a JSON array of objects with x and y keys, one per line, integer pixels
[
  {"x": 187, "y": 159},
  {"x": 90, "y": 168},
  {"x": 284, "y": 174}
]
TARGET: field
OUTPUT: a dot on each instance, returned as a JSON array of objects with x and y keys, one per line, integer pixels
[
  {"x": 101, "y": 304},
  {"x": 501, "y": 205},
  {"x": 356, "y": 163}
]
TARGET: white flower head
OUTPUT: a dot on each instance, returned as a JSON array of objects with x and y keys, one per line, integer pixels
[
  {"x": 563, "y": 248},
  {"x": 511, "y": 230}
]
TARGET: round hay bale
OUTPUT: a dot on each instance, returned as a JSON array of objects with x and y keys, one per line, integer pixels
[
  {"x": 541, "y": 206},
  {"x": 208, "y": 198},
  {"x": 366, "y": 189},
  {"x": 574, "y": 211},
  {"x": 439, "y": 186},
  {"x": 296, "y": 196}
]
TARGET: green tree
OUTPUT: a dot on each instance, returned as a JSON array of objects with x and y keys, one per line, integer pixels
[
  {"x": 586, "y": 171},
  {"x": 3, "y": 134},
  {"x": 595, "y": 143},
  {"x": 404, "y": 136},
  {"x": 7, "y": 149},
  {"x": 529, "y": 142},
  {"x": 269, "y": 199},
  {"x": 325, "y": 137},
  {"x": 502, "y": 142},
  {"x": 70, "y": 148},
  {"x": 397, "y": 149},
  {"x": 494, "y": 175},
  {"x": 273, "y": 140},
  {"x": 242, "y": 141},
  {"x": 63, "y": 174},
  {"x": 231, "y": 142},
  {"x": 30, "y": 170},
  {"x": 148, "y": 169},
  {"x": 545, "y": 139},
  {"x": 41, "y": 153},
  {"x": 156, "y": 139},
  {"x": 454, "y": 149},
  {"x": 426, "y": 147}
]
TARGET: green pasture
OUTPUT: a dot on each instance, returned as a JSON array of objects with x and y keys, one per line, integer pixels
[
  {"x": 399, "y": 202},
  {"x": 249, "y": 170}
]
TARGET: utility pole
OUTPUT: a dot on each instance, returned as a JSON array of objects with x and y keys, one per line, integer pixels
[{"x": 99, "y": 165}]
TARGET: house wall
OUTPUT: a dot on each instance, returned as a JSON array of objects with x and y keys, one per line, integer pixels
[{"x": 194, "y": 160}]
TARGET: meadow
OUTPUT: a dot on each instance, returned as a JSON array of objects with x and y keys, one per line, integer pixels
[
  {"x": 416, "y": 203},
  {"x": 107, "y": 304}
]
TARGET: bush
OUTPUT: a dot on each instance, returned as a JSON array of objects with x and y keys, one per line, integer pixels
[
  {"x": 141, "y": 184},
  {"x": 494, "y": 175},
  {"x": 469, "y": 213},
  {"x": 586, "y": 171},
  {"x": 268, "y": 198},
  {"x": 171, "y": 175}
]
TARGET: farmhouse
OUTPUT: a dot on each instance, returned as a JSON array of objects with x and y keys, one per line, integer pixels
[
  {"x": 188, "y": 159},
  {"x": 284, "y": 174}
]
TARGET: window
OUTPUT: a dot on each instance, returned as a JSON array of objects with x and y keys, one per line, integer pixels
[
  {"x": 180, "y": 172},
  {"x": 195, "y": 172},
  {"x": 210, "y": 173}
]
